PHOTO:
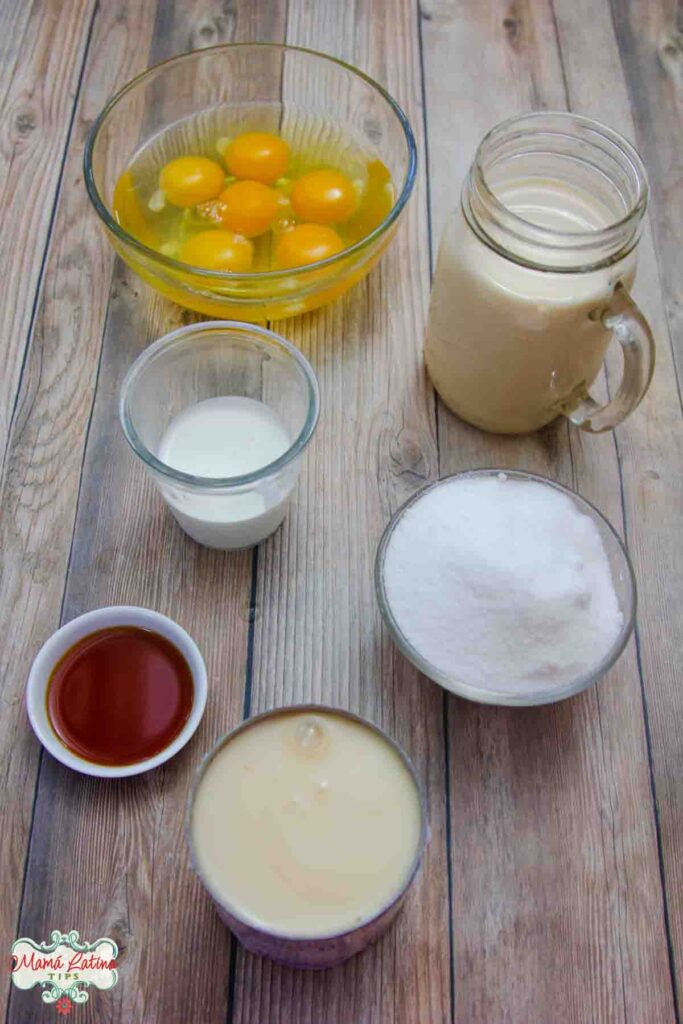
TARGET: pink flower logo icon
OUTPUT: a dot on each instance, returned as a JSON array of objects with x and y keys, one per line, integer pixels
[{"x": 64, "y": 1006}]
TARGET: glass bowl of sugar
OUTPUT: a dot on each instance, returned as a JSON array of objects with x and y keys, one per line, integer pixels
[{"x": 505, "y": 587}]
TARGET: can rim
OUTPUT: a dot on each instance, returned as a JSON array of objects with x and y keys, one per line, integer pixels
[{"x": 275, "y": 933}]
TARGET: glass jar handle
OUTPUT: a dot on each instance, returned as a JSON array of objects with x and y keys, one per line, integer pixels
[{"x": 630, "y": 328}]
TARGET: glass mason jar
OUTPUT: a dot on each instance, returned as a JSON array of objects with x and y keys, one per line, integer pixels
[{"x": 533, "y": 278}]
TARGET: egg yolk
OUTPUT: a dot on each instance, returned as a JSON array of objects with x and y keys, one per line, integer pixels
[
  {"x": 190, "y": 180},
  {"x": 307, "y": 243},
  {"x": 248, "y": 207},
  {"x": 218, "y": 250},
  {"x": 258, "y": 156},
  {"x": 326, "y": 197}
]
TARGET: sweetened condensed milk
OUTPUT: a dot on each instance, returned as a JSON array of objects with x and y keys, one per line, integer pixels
[{"x": 306, "y": 823}]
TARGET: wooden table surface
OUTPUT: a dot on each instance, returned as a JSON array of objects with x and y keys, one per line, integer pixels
[{"x": 552, "y": 890}]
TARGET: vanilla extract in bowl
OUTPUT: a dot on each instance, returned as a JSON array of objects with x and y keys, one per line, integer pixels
[{"x": 120, "y": 695}]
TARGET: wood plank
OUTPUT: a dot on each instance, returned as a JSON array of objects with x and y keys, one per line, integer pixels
[
  {"x": 140, "y": 890},
  {"x": 43, "y": 466},
  {"x": 43, "y": 48},
  {"x": 644, "y": 101},
  {"x": 318, "y": 633},
  {"x": 649, "y": 36},
  {"x": 552, "y": 807},
  {"x": 553, "y": 827},
  {"x": 127, "y": 549}
]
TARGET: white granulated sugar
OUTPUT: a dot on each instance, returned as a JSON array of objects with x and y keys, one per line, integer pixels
[{"x": 503, "y": 584}]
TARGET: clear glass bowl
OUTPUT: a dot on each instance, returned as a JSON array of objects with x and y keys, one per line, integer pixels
[
  {"x": 622, "y": 578},
  {"x": 266, "y": 87}
]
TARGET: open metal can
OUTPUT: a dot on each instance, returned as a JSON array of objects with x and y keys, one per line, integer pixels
[{"x": 319, "y": 951}]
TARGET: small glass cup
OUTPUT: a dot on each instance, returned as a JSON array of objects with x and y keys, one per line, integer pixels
[{"x": 211, "y": 360}]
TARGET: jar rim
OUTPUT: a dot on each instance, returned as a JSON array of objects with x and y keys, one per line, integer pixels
[{"x": 548, "y": 248}]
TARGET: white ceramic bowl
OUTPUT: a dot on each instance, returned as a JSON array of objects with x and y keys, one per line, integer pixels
[{"x": 65, "y": 638}]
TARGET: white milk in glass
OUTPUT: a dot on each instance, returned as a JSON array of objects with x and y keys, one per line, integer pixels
[{"x": 221, "y": 437}]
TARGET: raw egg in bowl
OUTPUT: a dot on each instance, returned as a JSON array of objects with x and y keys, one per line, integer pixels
[{"x": 251, "y": 181}]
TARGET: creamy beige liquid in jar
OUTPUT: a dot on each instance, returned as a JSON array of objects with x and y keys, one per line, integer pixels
[{"x": 533, "y": 278}]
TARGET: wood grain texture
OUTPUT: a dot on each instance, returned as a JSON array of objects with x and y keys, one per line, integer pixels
[
  {"x": 43, "y": 466},
  {"x": 41, "y": 56},
  {"x": 127, "y": 550},
  {"x": 554, "y": 835},
  {"x": 318, "y": 632},
  {"x": 559, "y": 906},
  {"x": 650, "y": 40},
  {"x": 645, "y": 101}
]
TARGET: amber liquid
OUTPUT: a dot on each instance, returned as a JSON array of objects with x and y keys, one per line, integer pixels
[{"x": 120, "y": 696}]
